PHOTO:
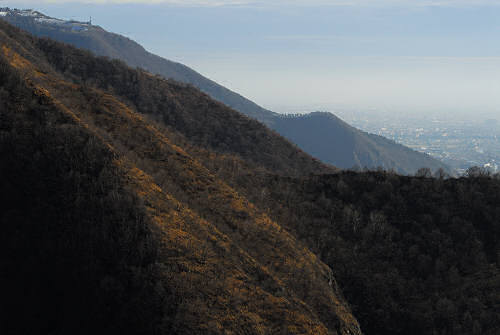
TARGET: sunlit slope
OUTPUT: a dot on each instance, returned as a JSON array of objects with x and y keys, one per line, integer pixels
[
  {"x": 104, "y": 43},
  {"x": 182, "y": 109},
  {"x": 217, "y": 263}
]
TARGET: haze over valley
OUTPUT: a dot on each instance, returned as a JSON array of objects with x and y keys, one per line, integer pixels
[
  {"x": 427, "y": 61},
  {"x": 422, "y": 57}
]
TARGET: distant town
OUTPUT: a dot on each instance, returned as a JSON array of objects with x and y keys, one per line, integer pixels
[{"x": 460, "y": 144}]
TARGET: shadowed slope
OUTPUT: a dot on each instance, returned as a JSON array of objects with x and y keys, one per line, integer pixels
[
  {"x": 413, "y": 255},
  {"x": 219, "y": 264}
]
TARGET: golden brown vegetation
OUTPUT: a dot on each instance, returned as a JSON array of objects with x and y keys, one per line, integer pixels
[{"x": 220, "y": 265}]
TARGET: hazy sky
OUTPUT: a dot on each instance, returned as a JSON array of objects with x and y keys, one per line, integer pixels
[{"x": 403, "y": 56}]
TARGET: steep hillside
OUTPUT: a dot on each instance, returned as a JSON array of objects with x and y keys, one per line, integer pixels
[
  {"x": 325, "y": 136},
  {"x": 413, "y": 255},
  {"x": 111, "y": 227},
  {"x": 184, "y": 110},
  {"x": 322, "y": 135},
  {"x": 104, "y": 43}
]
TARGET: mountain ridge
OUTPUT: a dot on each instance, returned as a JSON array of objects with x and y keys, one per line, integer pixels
[
  {"x": 347, "y": 147},
  {"x": 104, "y": 43},
  {"x": 370, "y": 150},
  {"x": 203, "y": 273}
]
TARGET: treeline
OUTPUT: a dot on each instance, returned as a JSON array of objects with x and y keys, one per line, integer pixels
[{"x": 184, "y": 109}]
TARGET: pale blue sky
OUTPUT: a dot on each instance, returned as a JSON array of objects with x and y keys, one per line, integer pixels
[{"x": 396, "y": 55}]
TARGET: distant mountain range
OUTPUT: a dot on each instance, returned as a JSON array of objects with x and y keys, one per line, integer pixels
[
  {"x": 322, "y": 135},
  {"x": 325, "y": 135}
]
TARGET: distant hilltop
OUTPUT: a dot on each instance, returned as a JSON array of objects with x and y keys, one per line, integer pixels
[{"x": 44, "y": 19}]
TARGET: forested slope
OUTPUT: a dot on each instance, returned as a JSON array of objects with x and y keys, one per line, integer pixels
[
  {"x": 115, "y": 46},
  {"x": 110, "y": 226},
  {"x": 151, "y": 199},
  {"x": 413, "y": 255}
]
